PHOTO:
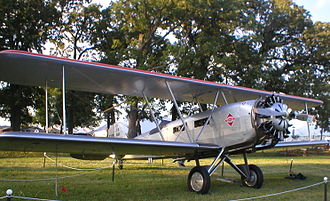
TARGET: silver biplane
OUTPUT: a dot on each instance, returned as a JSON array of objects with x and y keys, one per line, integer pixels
[{"x": 248, "y": 120}]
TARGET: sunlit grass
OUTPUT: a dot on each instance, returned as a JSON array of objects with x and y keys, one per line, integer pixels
[{"x": 140, "y": 180}]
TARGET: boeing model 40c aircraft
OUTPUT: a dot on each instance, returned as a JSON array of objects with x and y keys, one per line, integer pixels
[{"x": 242, "y": 120}]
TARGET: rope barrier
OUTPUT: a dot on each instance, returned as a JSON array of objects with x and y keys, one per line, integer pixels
[
  {"x": 26, "y": 198},
  {"x": 55, "y": 178},
  {"x": 280, "y": 193},
  {"x": 69, "y": 176},
  {"x": 73, "y": 168}
]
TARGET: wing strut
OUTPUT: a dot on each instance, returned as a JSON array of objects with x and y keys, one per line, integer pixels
[
  {"x": 308, "y": 128},
  {"x": 178, "y": 109},
  {"x": 224, "y": 97},
  {"x": 200, "y": 107},
  {"x": 209, "y": 118},
  {"x": 63, "y": 101},
  {"x": 190, "y": 111},
  {"x": 46, "y": 91},
  {"x": 153, "y": 116}
]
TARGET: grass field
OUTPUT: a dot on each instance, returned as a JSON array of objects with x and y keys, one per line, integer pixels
[{"x": 140, "y": 180}]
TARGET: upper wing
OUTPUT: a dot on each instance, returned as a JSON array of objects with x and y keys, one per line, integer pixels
[
  {"x": 33, "y": 142},
  {"x": 25, "y": 68}
]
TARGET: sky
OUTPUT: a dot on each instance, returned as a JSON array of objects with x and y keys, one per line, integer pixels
[{"x": 319, "y": 9}]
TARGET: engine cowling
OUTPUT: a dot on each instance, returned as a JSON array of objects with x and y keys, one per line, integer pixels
[{"x": 272, "y": 119}]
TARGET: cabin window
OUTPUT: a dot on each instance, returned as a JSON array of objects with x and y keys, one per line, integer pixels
[
  {"x": 200, "y": 122},
  {"x": 178, "y": 129}
]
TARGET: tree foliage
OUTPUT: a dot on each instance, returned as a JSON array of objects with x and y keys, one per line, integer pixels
[
  {"x": 133, "y": 34},
  {"x": 25, "y": 25},
  {"x": 264, "y": 44}
]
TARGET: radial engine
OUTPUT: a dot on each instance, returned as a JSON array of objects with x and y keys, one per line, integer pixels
[{"x": 272, "y": 120}]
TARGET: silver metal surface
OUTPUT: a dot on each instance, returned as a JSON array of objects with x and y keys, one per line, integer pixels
[
  {"x": 308, "y": 127},
  {"x": 154, "y": 118},
  {"x": 299, "y": 144},
  {"x": 34, "y": 69},
  {"x": 211, "y": 168},
  {"x": 46, "y": 107},
  {"x": 196, "y": 181},
  {"x": 230, "y": 125},
  {"x": 224, "y": 97},
  {"x": 209, "y": 117},
  {"x": 178, "y": 110},
  {"x": 19, "y": 141},
  {"x": 64, "y": 100},
  {"x": 252, "y": 178}
]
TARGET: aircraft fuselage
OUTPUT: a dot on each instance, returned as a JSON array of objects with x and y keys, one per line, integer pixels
[{"x": 229, "y": 125}]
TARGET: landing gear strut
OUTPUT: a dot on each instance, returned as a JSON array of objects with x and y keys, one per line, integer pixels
[
  {"x": 120, "y": 164},
  {"x": 199, "y": 180}
]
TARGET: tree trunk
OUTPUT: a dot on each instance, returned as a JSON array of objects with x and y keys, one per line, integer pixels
[
  {"x": 15, "y": 118},
  {"x": 133, "y": 124},
  {"x": 70, "y": 111},
  {"x": 174, "y": 113}
]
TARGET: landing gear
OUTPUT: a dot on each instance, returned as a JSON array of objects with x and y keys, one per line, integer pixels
[
  {"x": 256, "y": 178},
  {"x": 120, "y": 164},
  {"x": 199, "y": 180}
]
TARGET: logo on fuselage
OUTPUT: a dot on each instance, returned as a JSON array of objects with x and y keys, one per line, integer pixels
[{"x": 230, "y": 119}]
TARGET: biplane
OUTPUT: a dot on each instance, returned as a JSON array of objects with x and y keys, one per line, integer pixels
[{"x": 241, "y": 120}]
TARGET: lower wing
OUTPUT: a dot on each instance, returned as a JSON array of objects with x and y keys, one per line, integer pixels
[
  {"x": 295, "y": 144},
  {"x": 35, "y": 142}
]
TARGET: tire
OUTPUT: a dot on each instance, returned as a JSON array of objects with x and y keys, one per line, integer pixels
[
  {"x": 256, "y": 180},
  {"x": 199, "y": 180}
]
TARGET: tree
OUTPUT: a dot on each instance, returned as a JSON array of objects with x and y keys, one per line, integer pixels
[
  {"x": 16, "y": 101},
  {"x": 73, "y": 40},
  {"x": 106, "y": 108},
  {"x": 205, "y": 38},
  {"x": 25, "y": 25},
  {"x": 317, "y": 41},
  {"x": 73, "y": 37},
  {"x": 134, "y": 34},
  {"x": 80, "y": 110},
  {"x": 279, "y": 26}
]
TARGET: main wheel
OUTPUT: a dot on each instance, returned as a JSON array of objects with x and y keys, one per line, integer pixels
[
  {"x": 256, "y": 177},
  {"x": 199, "y": 180}
]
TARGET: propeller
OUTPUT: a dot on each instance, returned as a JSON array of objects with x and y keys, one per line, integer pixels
[
  {"x": 275, "y": 110},
  {"x": 273, "y": 115}
]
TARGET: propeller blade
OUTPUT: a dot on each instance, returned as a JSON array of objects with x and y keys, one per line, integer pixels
[{"x": 268, "y": 112}]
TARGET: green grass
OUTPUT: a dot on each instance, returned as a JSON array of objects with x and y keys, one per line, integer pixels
[{"x": 140, "y": 180}]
